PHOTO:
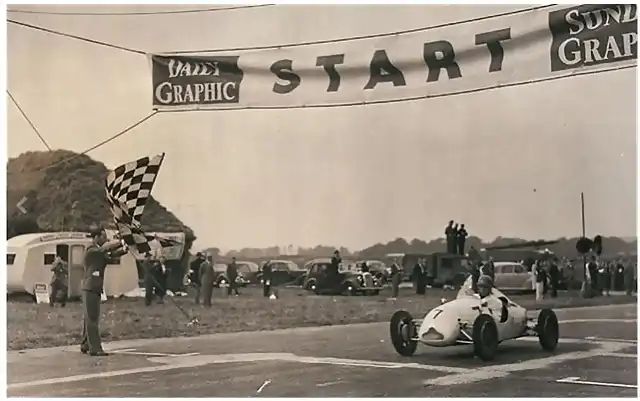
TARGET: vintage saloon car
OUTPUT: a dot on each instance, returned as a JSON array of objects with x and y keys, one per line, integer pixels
[
  {"x": 247, "y": 274},
  {"x": 350, "y": 280},
  {"x": 283, "y": 272}
]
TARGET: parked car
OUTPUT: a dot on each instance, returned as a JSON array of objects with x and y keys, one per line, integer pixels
[
  {"x": 248, "y": 273},
  {"x": 378, "y": 268},
  {"x": 350, "y": 280},
  {"x": 513, "y": 277},
  {"x": 283, "y": 272}
]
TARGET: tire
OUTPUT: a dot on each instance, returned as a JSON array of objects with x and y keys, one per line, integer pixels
[
  {"x": 548, "y": 330},
  {"x": 375, "y": 292},
  {"x": 349, "y": 289},
  {"x": 402, "y": 330},
  {"x": 485, "y": 337},
  {"x": 310, "y": 285}
]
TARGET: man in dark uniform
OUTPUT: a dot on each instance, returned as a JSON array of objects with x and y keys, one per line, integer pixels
[
  {"x": 266, "y": 279},
  {"x": 419, "y": 277},
  {"x": 95, "y": 262},
  {"x": 232, "y": 275},
  {"x": 161, "y": 278},
  {"x": 207, "y": 278},
  {"x": 449, "y": 235},
  {"x": 396, "y": 279},
  {"x": 148, "y": 267},
  {"x": 593, "y": 274},
  {"x": 194, "y": 275},
  {"x": 629, "y": 274},
  {"x": 461, "y": 238},
  {"x": 333, "y": 270},
  {"x": 554, "y": 277},
  {"x": 59, "y": 280},
  {"x": 476, "y": 267}
]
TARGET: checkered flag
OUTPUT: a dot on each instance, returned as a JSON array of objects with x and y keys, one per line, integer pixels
[{"x": 128, "y": 188}]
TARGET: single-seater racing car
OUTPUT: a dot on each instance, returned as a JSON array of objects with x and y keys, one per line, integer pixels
[{"x": 483, "y": 319}]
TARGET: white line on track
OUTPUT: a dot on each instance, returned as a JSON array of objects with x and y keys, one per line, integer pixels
[
  {"x": 576, "y": 380},
  {"x": 153, "y": 354}
]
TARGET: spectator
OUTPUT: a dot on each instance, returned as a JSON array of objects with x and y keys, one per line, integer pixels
[
  {"x": 419, "y": 277},
  {"x": 629, "y": 279},
  {"x": 232, "y": 275},
  {"x": 207, "y": 279},
  {"x": 396, "y": 279},
  {"x": 59, "y": 282},
  {"x": 450, "y": 237},
  {"x": 554, "y": 277},
  {"x": 461, "y": 238},
  {"x": 194, "y": 275}
]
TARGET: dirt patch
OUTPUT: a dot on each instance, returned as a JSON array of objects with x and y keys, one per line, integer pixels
[{"x": 36, "y": 326}]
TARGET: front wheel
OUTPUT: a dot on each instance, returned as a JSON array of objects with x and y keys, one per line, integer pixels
[
  {"x": 403, "y": 331},
  {"x": 548, "y": 329},
  {"x": 485, "y": 337},
  {"x": 349, "y": 289}
]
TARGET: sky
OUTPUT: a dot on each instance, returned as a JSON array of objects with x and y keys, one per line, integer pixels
[{"x": 509, "y": 162}]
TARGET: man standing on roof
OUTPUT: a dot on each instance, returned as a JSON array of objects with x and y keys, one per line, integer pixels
[
  {"x": 96, "y": 258},
  {"x": 450, "y": 237},
  {"x": 59, "y": 282},
  {"x": 461, "y": 238}
]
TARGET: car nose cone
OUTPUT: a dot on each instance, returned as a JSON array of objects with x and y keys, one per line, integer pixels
[{"x": 432, "y": 335}]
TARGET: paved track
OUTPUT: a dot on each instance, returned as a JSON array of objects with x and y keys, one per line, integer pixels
[{"x": 598, "y": 353}]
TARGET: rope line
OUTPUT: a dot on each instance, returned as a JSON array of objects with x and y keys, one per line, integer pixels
[
  {"x": 361, "y": 37},
  {"x": 68, "y": 35},
  {"x": 139, "y": 13},
  {"x": 94, "y": 147},
  {"x": 28, "y": 120}
]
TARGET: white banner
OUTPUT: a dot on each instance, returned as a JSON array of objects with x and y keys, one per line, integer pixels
[{"x": 522, "y": 48}]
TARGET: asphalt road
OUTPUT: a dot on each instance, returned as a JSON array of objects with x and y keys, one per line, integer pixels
[{"x": 597, "y": 357}]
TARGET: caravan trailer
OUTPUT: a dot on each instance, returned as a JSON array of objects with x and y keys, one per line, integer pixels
[{"x": 30, "y": 257}]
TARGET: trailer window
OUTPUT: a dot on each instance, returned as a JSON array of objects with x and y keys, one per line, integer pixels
[
  {"x": 49, "y": 258},
  {"x": 10, "y": 258}
]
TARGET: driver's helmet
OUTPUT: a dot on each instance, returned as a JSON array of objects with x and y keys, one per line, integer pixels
[{"x": 485, "y": 282}]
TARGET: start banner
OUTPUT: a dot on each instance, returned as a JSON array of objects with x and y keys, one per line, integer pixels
[{"x": 531, "y": 46}]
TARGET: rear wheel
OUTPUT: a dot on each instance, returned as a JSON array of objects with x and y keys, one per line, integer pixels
[
  {"x": 403, "y": 330},
  {"x": 485, "y": 337},
  {"x": 548, "y": 329}
]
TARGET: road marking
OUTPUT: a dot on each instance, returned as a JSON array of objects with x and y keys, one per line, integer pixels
[
  {"x": 576, "y": 380},
  {"x": 153, "y": 354},
  {"x": 191, "y": 361},
  {"x": 500, "y": 371},
  {"x": 376, "y": 364},
  {"x": 599, "y": 321},
  {"x": 622, "y": 355},
  {"x": 612, "y": 340},
  {"x": 328, "y": 384},
  {"x": 263, "y": 386}
]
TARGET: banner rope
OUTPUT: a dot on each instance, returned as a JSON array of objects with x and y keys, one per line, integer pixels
[
  {"x": 94, "y": 147},
  {"x": 139, "y": 13},
  {"x": 288, "y": 45},
  {"x": 68, "y": 35},
  {"x": 361, "y": 37},
  {"x": 28, "y": 120}
]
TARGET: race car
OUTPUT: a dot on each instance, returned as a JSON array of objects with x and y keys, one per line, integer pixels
[{"x": 472, "y": 319}]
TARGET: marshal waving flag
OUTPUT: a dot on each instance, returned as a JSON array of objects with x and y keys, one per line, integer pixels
[{"x": 128, "y": 188}]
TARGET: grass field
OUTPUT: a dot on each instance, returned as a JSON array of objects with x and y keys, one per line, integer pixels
[{"x": 34, "y": 326}]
